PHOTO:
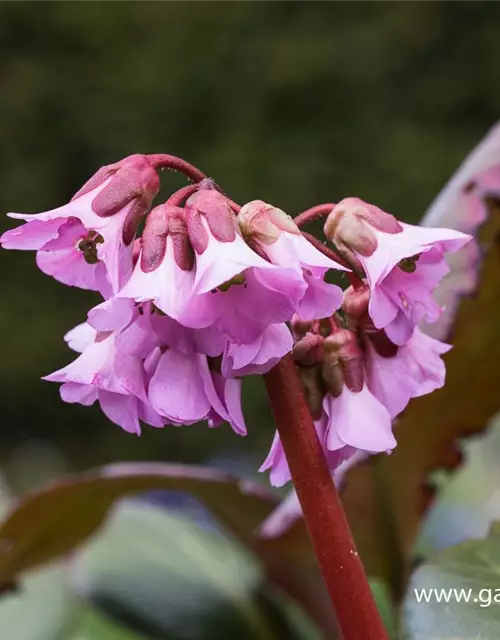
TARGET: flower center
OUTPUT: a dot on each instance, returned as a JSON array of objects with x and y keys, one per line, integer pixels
[
  {"x": 239, "y": 278},
  {"x": 88, "y": 246},
  {"x": 409, "y": 265}
]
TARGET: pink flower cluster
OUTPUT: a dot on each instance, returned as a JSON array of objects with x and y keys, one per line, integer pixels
[
  {"x": 361, "y": 367},
  {"x": 203, "y": 297}
]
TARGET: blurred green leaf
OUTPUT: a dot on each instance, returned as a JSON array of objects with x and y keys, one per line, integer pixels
[
  {"x": 42, "y": 609},
  {"x": 91, "y": 624},
  {"x": 166, "y": 577},
  {"x": 53, "y": 521},
  {"x": 472, "y": 565}
]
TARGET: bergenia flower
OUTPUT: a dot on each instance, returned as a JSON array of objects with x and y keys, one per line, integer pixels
[
  {"x": 259, "y": 356},
  {"x": 88, "y": 242},
  {"x": 117, "y": 380},
  {"x": 403, "y": 263},
  {"x": 275, "y": 235},
  {"x": 348, "y": 417},
  {"x": 411, "y": 370},
  {"x": 277, "y": 465},
  {"x": 197, "y": 269}
]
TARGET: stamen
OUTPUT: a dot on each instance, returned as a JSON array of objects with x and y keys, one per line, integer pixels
[
  {"x": 88, "y": 246},
  {"x": 239, "y": 278},
  {"x": 409, "y": 265}
]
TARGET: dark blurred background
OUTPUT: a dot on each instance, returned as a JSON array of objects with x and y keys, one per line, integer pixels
[{"x": 292, "y": 102}]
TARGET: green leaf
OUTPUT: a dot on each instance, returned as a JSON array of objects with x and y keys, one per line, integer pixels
[
  {"x": 53, "y": 521},
  {"x": 168, "y": 578},
  {"x": 40, "y": 610},
  {"x": 91, "y": 624},
  {"x": 473, "y": 567}
]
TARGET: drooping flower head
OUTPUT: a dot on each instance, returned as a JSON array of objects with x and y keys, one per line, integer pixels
[
  {"x": 402, "y": 263},
  {"x": 198, "y": 268},
  {"x": 88, "y": 242}
]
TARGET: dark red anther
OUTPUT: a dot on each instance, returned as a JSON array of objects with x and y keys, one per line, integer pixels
[{"x": 154, "y": 239}]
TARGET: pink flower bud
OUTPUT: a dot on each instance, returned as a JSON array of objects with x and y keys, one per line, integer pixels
[
  {"x": 216, "y": 210},
  {"x": 314, "y": 389},
  {"x": 403, "y": 263},
  {"x": 154, "y": 239},
  {"x": 343, "y": 346},
  {"x": 356, "y": 302},
  {"x": 300, "y": 326},
  {"x": 132, "y": 178},
  {"x": 263, "y": 222},
  {"x": 309, "y": 350}
]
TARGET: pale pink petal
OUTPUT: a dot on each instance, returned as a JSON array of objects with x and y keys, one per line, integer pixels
[
  {"x": 122, "y": 410},
  {"x": 232, "y": 398},
  {"x": 381, "y": 308},
  {"x": 358, "y": 420},
  {"x": 389, "y": 380},
  {"x": 31, "y": 236},
  {"x": 401, "y": 329},
  {"x": 321, "y": 299},
  {"x": 276, "y": 464},
  {"x": 221, "y": 261},
  {"x": 69, "y": 267},
  {"x": 168, "y": 286},
  {"x": 209, "y": 387},
  {"x": 148, "y": 415},
  {"x": 176, "y": 389},
  {"x": 112, "y": 315},
  {"x": 259, "y": 356},
  {"x": 80, "y": 337},
  {"x": 72, "y": 392}
]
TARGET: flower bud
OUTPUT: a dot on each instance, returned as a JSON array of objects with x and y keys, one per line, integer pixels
[
  {"x": 342, "y": 347},
  {"x": 350, "y": 228},
  {"x": 215, "y": 208},
  {"x": 131, "y": 178},
  {"x": 313, "y": 389},
  {"x": 331, "y": 373},
  {"x": 308, "y": 350},
  {"x": 300, "y": 327},
  {"x": 154, "y": 239},
  {"x": 263, "y": 222},
  {"x": 356, "y": 301}
]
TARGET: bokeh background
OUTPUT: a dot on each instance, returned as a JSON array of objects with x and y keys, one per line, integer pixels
[{"x": 292, "y": 102}]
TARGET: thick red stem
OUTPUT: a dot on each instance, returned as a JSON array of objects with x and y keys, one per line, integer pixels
[
  {"x": 324, "y": 516},
  {"x": 166, "y": 161},
  {"x": 314, "y": 213}
]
